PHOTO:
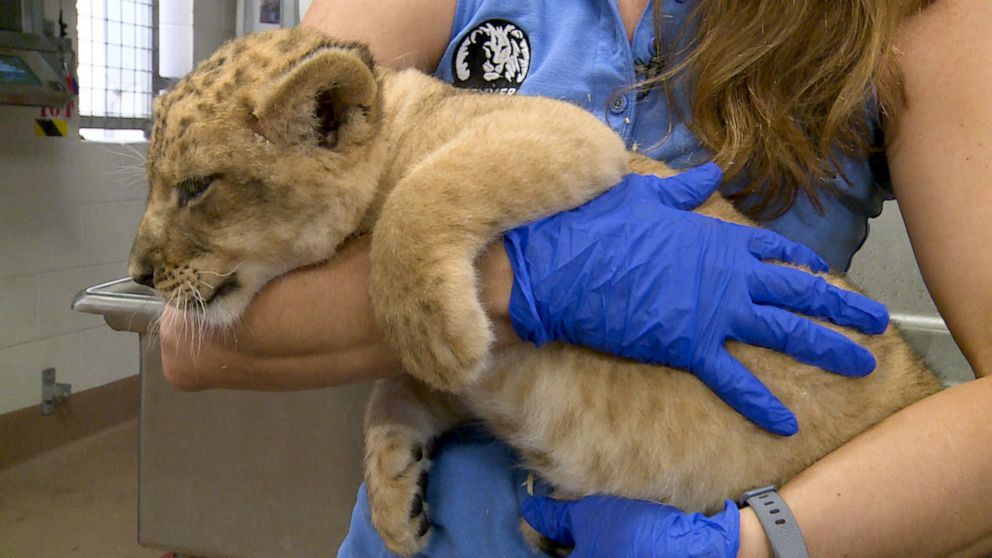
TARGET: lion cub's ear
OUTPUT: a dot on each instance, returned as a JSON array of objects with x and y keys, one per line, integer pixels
[{"x": 328, "y": 98}]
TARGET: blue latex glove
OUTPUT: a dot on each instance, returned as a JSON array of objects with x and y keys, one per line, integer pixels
[
  {"x": 634, "y": 273},
  {"x": 610, "y": 527}
]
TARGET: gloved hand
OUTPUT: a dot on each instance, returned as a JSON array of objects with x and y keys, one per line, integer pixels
[
  {"x": 634, "y": 273},
  {"x": 610, "y": 527}
]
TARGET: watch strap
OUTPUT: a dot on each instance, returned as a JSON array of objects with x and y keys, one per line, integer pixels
[{"x": 780, "y": 525}]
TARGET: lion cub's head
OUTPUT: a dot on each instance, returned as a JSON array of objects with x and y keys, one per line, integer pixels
[{"x": 259, "y": 162}]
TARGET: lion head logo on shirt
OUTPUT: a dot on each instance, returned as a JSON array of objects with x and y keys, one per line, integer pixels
[{"x": 493, "y": 57}]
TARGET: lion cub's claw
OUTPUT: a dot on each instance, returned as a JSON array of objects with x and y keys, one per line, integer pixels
[
  {"x": 542, "y": 544},
  {"x": 396, "y": 473}
]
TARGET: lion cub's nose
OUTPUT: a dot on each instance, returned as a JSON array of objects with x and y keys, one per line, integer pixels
[
  {"x": 142, "y": 260},
  {"x": 147, "y": 279},
  {"x": 142, "y": 270}
]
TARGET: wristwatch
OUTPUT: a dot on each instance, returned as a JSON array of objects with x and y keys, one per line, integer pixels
[{"x": 779, "y": 523}]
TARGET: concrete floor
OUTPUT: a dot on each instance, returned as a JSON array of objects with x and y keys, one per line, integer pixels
[{"x": 79, "y": 501}]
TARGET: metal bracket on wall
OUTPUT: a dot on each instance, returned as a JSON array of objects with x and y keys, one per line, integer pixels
[{"x": 52, "y": 393}]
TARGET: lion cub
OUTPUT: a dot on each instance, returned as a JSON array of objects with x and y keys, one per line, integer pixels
[{"x": 284, "y": 144}]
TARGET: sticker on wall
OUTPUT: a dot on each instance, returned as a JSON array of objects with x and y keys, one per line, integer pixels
[
  {"x": 51, "y": 127},
  {"x": 53, "y": 122}
]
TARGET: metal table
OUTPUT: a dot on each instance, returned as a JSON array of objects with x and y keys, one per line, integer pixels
[{"x": 232, "y": 473}]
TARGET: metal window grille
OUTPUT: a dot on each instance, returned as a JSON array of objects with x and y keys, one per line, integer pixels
[{"x": 118, "y": 63}]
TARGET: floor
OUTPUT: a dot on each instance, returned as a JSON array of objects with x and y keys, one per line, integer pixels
[{"x": 79, "y": 501}]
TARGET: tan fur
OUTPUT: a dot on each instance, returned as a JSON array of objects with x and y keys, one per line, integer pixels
[{"x": 435, "y": 174}]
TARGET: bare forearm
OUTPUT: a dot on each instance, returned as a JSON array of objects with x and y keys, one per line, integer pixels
[
  {"x": 400, "y": 33},
  {"x": 916, "y": 485},
  {"x": 939, "y": 162},
  {"x": 312, "y": 328}
]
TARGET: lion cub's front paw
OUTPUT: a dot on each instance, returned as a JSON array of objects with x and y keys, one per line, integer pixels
[
  {"x": 448, "y": 347},
  {"x": 434, "y": 320},
  {"x": 396, "y": 472}
]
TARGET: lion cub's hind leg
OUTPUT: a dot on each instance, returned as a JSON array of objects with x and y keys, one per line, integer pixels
[{"x": 402, "y": 421}]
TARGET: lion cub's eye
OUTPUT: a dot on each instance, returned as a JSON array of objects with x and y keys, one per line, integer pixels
[{"x": 192, "y": 188}]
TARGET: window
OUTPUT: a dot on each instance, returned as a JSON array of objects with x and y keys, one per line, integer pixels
[{"x": 117, "y": 67}]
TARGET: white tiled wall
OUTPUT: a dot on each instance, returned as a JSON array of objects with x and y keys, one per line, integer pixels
[{"x": 67, "y": 212}]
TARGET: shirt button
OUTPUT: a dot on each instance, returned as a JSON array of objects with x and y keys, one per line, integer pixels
[{"x": 618, "y": 105}]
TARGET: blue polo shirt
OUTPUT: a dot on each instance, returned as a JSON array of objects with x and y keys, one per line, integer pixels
[{"x": 578, "y": 51}]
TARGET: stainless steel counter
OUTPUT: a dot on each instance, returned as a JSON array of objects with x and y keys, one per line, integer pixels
[{"x": 230, "y": 473}]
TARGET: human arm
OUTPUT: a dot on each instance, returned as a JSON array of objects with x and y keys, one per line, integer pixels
[
  {"x": 918, "y": 484},
  {"x": 400, "y": 33},
  {"x": 312, "y": 328},
  {"x": 941, "y": 165}
]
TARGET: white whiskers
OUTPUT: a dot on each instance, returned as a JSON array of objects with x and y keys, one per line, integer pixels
[{"x": 224, "y": 274}]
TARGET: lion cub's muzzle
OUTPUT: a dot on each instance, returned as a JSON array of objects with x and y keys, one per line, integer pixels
[{"x": 183, "y": 286}]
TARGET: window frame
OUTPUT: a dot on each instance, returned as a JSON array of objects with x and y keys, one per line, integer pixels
[{"x": 158, "y": 84}]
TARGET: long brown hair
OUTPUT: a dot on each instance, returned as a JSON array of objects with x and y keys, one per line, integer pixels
[{"x": 780, "y": 87}]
